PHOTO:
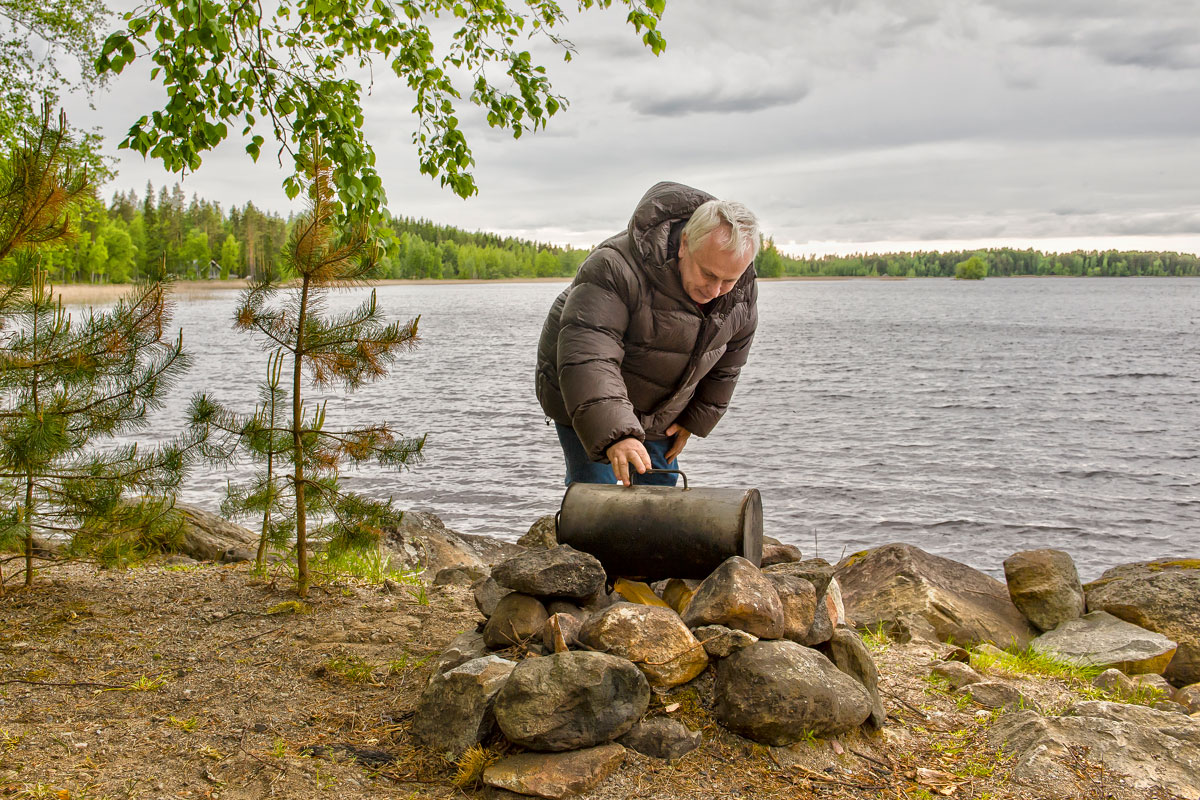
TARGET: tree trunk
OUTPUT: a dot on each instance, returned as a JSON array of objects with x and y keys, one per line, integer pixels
[{"x": 298, "y": 450}]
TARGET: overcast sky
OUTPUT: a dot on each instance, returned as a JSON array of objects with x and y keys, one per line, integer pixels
[{"x": 848, "y": 125}]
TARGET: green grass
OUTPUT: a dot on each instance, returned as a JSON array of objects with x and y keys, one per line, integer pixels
[
  {"x": 876, "y": 639},
  {"x": 1028, "y": 662},
  {"x": 350, "y": 668},
  {"x": 369, "y": 566}
]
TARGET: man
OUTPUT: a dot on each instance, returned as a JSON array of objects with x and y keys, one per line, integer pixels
[{"x": 644, "y": 348}]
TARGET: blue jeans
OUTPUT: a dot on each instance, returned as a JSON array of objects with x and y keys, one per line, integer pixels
[{"x": 582, "y": 469}]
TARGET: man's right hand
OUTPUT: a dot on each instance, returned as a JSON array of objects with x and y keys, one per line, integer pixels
[{"x": 626, "y": 453}]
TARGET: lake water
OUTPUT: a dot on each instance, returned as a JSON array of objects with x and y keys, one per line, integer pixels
[{"x": 972, "y": 419}]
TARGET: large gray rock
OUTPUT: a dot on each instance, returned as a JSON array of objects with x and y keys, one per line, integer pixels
[
  {"x": 1044, "y": 586},
  {"x": 571, "y": 700},
  {"x": 852, "y": 657},
  {"x": 517, "y": 619},
  {"x": 1099, "y": 639},
  {"x": 737, "y": 595},
  {"x": 661, "y": 737},
  {"x": 555, "y": 775},
  {"x": 542, "y": 535},
  {"x": 779, "y": 692},
  {"x": 652, "y": 637},
  {"x": 422, "y": 541},
  {"x": 560, "y": 571},
  {"x": 1161, "y": 596},
  {"x": 207, "y": 536},
  {"x": 799, "y": 600},
  {"x": 899, "y": 585},
  {"x": 1152, "y": 749},
  {"x": 455, "y": 710}
]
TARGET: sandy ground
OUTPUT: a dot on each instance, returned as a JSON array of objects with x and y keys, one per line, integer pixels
[{"x": 205, "y": 681}]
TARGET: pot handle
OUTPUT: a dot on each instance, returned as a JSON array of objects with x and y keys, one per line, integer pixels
[{"x": 678, "y": 472}]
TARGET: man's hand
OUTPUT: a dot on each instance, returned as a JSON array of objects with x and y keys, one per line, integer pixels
[
  {"x": 681, "y": 435},
  {"x": 626, "y": 453}
]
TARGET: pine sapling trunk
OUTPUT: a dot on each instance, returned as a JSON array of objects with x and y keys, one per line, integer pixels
[
  {"x": 29, "y": 530},
  {"x": 273, "y": 382},
  {"x": 298, "y": 450},
  {"x": 39, "y": 287}
]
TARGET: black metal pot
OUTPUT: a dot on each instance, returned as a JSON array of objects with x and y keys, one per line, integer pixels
[{"x": 657, "y": 532}]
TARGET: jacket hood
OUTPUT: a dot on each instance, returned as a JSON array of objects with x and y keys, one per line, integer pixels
[{"x": 665, "y": 204}]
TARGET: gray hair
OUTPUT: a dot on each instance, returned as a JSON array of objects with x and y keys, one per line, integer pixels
[{"x": 738, "y": 221}]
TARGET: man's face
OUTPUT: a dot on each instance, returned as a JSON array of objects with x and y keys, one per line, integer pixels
[{"x": 710, "y": 271}]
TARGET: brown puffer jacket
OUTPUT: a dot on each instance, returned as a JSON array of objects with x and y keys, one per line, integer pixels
[{"x": 625, "y": 351}]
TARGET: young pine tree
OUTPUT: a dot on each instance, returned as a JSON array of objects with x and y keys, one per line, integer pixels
[
  {"x": 70, "y": 382},
  {"x": 297, "y": 492}
]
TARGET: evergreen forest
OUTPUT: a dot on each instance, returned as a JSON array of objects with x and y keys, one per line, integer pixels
[{"x": 133, "y": 236}]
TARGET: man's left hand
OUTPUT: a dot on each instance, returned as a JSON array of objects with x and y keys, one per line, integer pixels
[{"x": 681, "y": 435}]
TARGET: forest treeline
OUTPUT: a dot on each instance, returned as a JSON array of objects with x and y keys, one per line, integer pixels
[
  {"x": 133, "y": 236},
  {"x": 1000, "y": 261}
]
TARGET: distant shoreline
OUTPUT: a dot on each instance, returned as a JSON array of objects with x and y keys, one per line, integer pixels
[{"x": 82, "y": 293}]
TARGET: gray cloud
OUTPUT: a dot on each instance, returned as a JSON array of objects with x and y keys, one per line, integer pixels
[
  {"x": 836, "y": 120},
  {"x": 701, "y": 100}
]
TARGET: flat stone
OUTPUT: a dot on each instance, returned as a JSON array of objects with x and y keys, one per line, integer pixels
[
  {"x": 1102, "y": 640},
  {"x": 516, "y": 619},
  {"x": 1161, "y": 596},
  {"x": 571, "y": 700},
  {"x": 956, "y": 674},
  {"x": 994, "y": 694},
  {"x": 737, "y": 595},
  {"x": 542, "y": 534},
  {"x": 930, "y": 596},
  {"x": 555, "y": 775},
  {"x": 779, "y": 692},
  {"x": 799, "y": 599},
  {"x": 559, "y": 571},
  {"x": 1151, "y": 749},
  {"x": 1044, "y": 586},
  {"x": 721, "y": 642},
  {"x": 661, "y": 737},
  {"x": 652, "y": 637},
  {"x": 465, "y": 647},
  {"x": 487, "y": 595},
  {"x": 851, "y": 656},
  {"x": 454, "y": 712}
]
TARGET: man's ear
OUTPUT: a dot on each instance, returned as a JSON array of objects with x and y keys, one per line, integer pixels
[{"x": 682, "y": 244}]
